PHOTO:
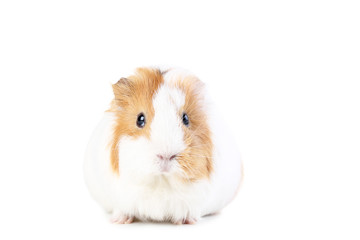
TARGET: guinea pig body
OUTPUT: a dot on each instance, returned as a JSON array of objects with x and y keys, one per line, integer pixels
[{"x": 161, "y": 152}]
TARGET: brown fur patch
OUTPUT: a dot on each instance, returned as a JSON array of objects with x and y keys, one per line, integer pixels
[
  {"x": 196, "y": 160},
  {"x": 133, "y": 95}
]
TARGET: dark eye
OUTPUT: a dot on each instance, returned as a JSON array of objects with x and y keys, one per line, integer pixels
[
  {"x": 185, "y": 119},
  {"x": 140, "y": 122}
]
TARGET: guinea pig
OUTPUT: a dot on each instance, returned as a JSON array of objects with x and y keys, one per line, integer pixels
[{"x": 161, "y": 152}]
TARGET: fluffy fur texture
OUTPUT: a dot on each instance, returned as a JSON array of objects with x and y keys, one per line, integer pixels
[{"x": 165, "y": 171}]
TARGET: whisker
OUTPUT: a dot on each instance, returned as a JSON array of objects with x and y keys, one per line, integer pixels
[
  {"x": 204, "y": 156},
  {"x": 197, "y": 146},
  {"x": 189, "y": 170},
  {"x": 190, "y": 154}
]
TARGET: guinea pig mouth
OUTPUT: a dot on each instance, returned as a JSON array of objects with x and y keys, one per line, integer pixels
[{"x": 164, "y": 166}]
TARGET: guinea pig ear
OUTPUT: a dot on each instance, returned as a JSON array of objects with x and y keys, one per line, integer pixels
[
  {"x": 121, "y": 89},
  {"x": 193, "y": 86}
]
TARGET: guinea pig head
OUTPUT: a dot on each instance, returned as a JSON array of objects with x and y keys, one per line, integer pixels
[{"x": 161, "y": 126}]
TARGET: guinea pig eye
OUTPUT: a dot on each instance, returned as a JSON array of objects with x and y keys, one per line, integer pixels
[
  {"x": 140, "y": 122},
  {"x": 185, "y": 119}
]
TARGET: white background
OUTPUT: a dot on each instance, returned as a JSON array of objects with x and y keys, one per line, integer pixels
[{"x": 286, "y": 75}]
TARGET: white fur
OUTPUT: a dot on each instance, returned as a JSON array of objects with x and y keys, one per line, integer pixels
[
  {"x": 143, "y": 189},
  {"x": 166, "y": 132}
]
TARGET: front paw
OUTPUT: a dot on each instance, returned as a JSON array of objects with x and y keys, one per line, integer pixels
[
  {"x": 121, "y": 219},
  {"x": 188, "y": 220}
]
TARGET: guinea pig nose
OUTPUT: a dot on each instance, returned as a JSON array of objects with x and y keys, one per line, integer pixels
[
  {"x": 166, "y": 157},
  {"x": 160, "y": 156}
]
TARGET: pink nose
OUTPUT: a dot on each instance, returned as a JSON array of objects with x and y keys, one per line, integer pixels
[{"x": 166, "y": 157}]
